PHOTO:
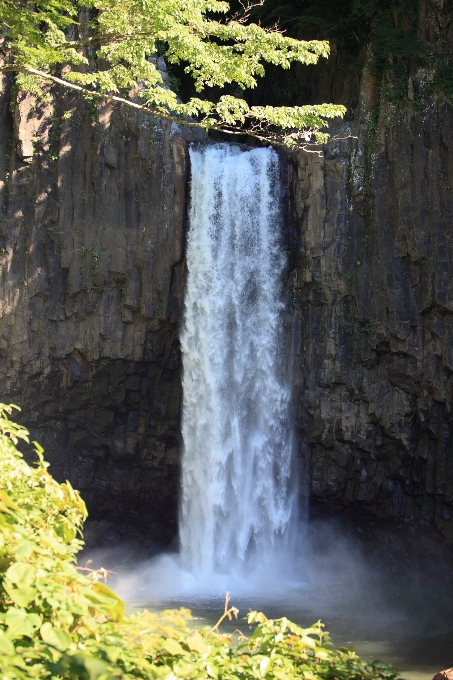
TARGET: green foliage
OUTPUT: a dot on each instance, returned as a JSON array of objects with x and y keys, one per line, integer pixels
[
  {"x": 90, "y": 249},
  {"x": 390, "y": 26},
  {"x": 23, "y": 23},
  {"x": 313, "y": 18},
  {"x": 124, "y": 37},
  {"x": 392, "y": 42},
  {"x": 46, "y": 606},
  {"x": 443, "y": 80},
  {"x": 58, "y": 623}
]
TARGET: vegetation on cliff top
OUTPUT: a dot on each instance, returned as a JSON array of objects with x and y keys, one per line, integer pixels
[
  {"x": 104, "y": 48},
  {"x": 396, "y": 31},
  {"x": 56, "y": 622}
]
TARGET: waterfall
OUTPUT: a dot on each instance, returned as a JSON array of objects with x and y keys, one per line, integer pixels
[{"x": 237, "y": 503}]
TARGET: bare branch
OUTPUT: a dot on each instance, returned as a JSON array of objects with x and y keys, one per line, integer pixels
[
  {"x": 228, "y": 613},
  {"x": 242, "y": 17},
  {"x": 247, "y": 5}
]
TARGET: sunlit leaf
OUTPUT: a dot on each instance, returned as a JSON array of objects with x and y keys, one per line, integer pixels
[
  {"x": 196, "y": 644},
  {"x": 21, "y": 596},
  {"x": 117, "y": 608},
  {"x": 173, "y": 647},
  {"x": 21, "y": 574},
  {"x": 55, "y": 637},
  {"x": 6, "y": 645},
  {"x": 264, "y": 664}
]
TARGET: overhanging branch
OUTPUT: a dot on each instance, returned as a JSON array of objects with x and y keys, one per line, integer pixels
[
  {"x": 107, "y": 97},
  {"x": 159, "y": 113}
]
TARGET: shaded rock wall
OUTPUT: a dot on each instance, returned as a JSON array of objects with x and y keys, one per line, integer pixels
[
  {"x": 372, "y": 300},
  {"x": 91, "y": 264},
  {"x": 92, "y": 208}
]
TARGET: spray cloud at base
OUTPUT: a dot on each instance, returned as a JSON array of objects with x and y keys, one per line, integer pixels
[{"x": 326, "y": 571}]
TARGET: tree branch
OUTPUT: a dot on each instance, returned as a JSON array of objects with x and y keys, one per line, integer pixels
[
  {"x": 159, "y": 113},
  {"x": 141, "y": 107},
  {"x": 99, "y": 95},
  {"x": 108, "y": 38}
]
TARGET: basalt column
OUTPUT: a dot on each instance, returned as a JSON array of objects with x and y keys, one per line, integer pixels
[{"x": 91, "y": 262}]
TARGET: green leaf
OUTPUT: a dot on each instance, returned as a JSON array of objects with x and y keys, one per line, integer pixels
[
  {"x": 25, "y": 549},
  {"x": 257, "y": 632},
  {"x": 322, "y": 654},
  {"x": 173, "y": 647},
  {"x": 117, "y": 608},
  {"x": 6, "y": 645},
  {"x": 308, "y": 641},
  {"x": 7, "y": 502},
  {"x": 196, "y": 644},
  {"x": 65, "y": 529},
  {"x": 55, "y": 637},
  {"x": 20, "y": 622},
  {"x": 33, "y": 621},
  {"x": 21, "y": 596},
  {"x": 95, "y": 668},
  {"x": 15, "y": 619},
  {"x": 21, "y": 574}
]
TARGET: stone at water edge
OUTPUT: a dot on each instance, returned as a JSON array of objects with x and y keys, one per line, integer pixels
[{"x": 444, "y": 675}]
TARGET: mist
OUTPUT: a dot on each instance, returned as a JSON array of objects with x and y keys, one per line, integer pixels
[{"x": 402, "y": 618}]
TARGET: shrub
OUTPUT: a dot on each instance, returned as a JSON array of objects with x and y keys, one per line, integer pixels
[{"x": 58, "y": 623}]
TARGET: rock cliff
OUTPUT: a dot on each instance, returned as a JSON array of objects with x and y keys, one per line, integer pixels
[
  {"x": 92, "y": 273},
  {"x": 92, "y": 234},
  {"x": 372, "y": 301}
]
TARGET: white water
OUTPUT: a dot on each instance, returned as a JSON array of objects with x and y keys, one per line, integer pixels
[{"x": 237, "y": 504}]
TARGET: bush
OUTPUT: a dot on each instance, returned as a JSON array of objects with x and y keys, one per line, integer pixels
[{"x": 58, "y": 623}]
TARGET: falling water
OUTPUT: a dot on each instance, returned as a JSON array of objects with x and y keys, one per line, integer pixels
[{"x": 237, "y": 502}]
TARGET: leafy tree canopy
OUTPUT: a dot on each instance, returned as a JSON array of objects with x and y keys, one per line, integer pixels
[{"x": 105, "y": 48}]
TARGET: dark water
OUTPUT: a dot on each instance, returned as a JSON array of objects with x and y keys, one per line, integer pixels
[{"x": 407, "y": 625}]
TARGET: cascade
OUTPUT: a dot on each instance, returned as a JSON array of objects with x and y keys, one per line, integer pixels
[{"x": 237, "y": 505}]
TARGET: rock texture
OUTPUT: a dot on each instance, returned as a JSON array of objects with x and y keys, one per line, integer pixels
[
  {"x": 91, "y": 260},
  {"x": 444, "y": 675},
  {"x": 372, "y": 299},
  {"x": 92, "y": 206}
]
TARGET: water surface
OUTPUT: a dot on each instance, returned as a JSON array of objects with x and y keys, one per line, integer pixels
[{"x": 407, "y": 625}]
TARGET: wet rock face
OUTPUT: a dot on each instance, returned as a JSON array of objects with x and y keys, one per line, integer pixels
[
  {"x": 91, "y": 261},
  {"x": 372, "y": 301}
]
